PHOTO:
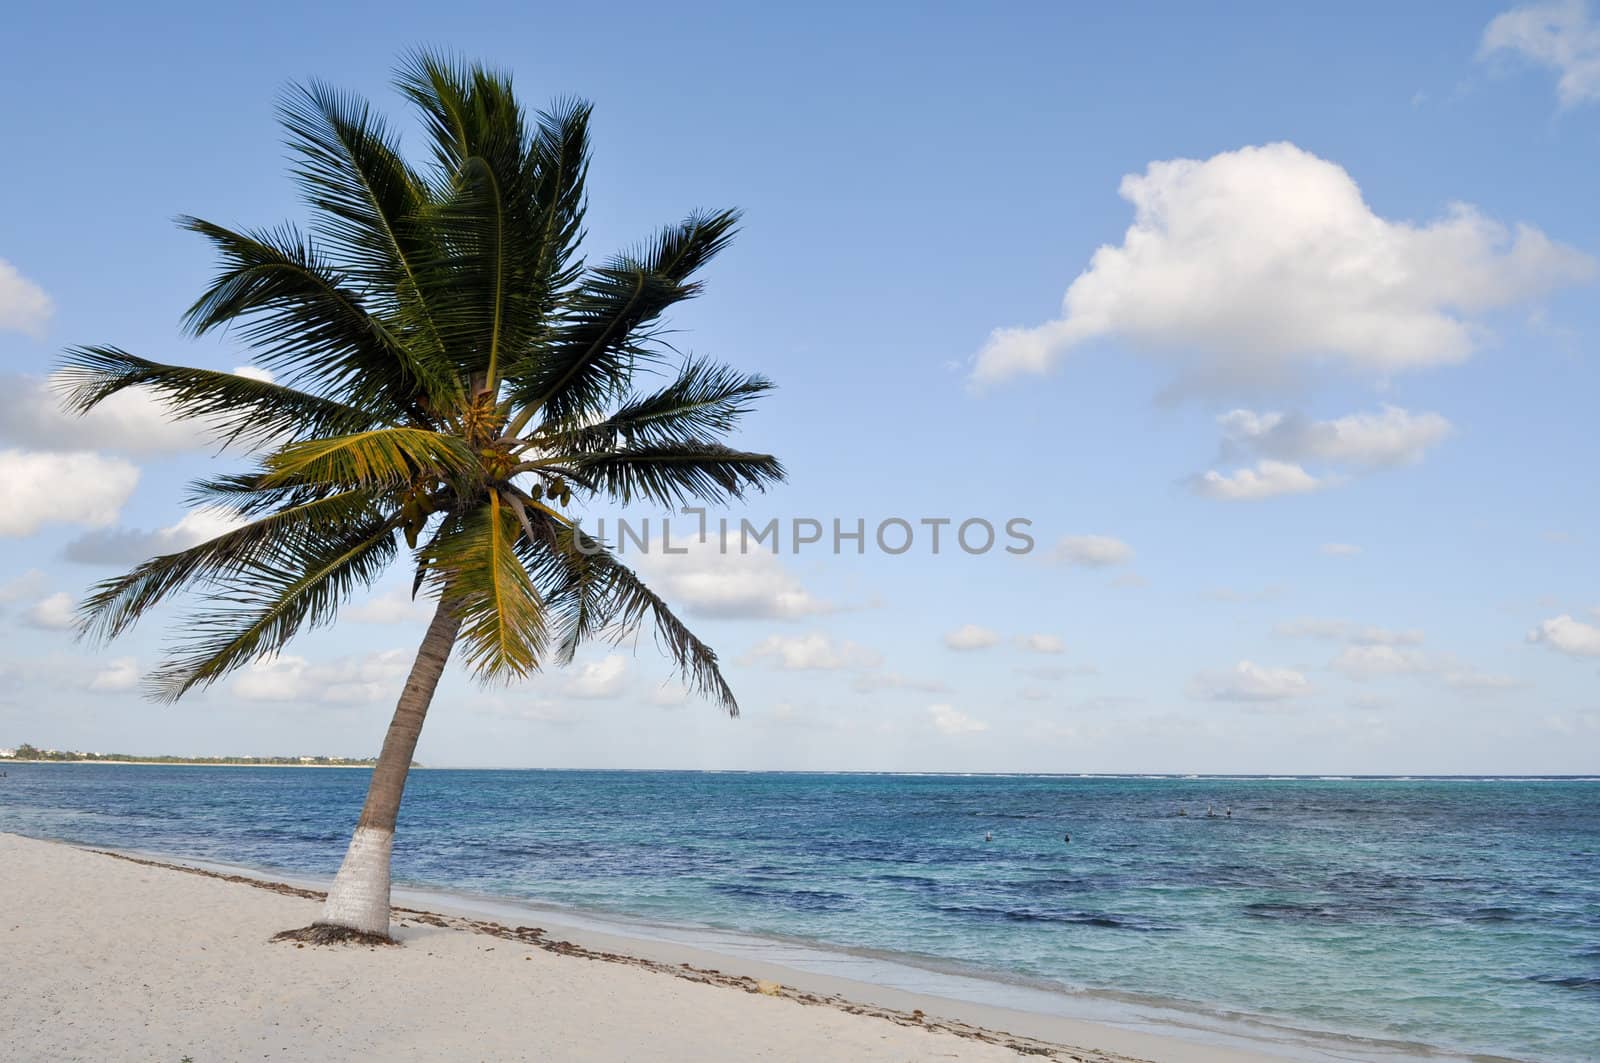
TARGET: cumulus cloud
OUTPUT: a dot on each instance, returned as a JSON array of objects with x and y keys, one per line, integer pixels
[
  {"x": 1471, "y": 681},
  {"x": 345, "y": 680},
  {"x": 24, "y": 307},
  {"x": 391, "y": 607},
  {"x": 593, "y": 680},
  {"x": 1345, "y": 631},
  {"x": 871, "y": 682},
  {"x": 133, "y": 421},
  {"x": 971, "y": 637},
  {"x": 54, "y": 613},
  {"x": 1283, "y": 442},
  {"x": 118, "y": 675},
  {"x": 1268, "y": 479},
  {"x": 731, "y": 585},
  {"x": 26, "y": 585},
  {"x": 74, "y": 488},
  {"x": 1042, "y": 643},
  {"x": 129, "y": 546},
  {"x": 1393, "y": 436},
  {"x": 950, "y": 721},
  {"x": 130, "y": 422},
  {"x": 1055, "y": 673},
  {"x": 1371, "y": 661},
  {"x": 1249, "y": 682},
  {"x": 1250, "y": 266},
  {"x": 1092, "y": 551},
  {"x": 1568, "y": 635},
  {"x": 815, "y": 652},
  {"x": 1561, "y": 35}
]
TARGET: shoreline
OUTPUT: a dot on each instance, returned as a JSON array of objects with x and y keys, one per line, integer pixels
[
  {"x": 118, "y": 956},
  {"x": 890, "y": 987}
]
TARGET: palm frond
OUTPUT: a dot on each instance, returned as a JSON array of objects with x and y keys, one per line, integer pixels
[
  {"x": 266, "y": 602},
  {"x": 115, "y": 605},
  {"x": 674, "y": 473},
  {"x": 484, "y": 582},
  {"x": 706, "y": 399},
  {"x": 588, "y": 361},
  {"x": 380, "y": 456},
  {"x": 305, "y": 321},
  {"x": 595, "y": 594},
  {"x": 236, "y": 409},
  {"x": 371, "y": 206}
]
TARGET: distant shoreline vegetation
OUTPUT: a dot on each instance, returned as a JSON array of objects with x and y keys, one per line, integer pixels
[{"x": 32, "y": 754}]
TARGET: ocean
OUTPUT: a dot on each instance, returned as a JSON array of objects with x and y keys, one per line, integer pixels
[{"x": 1355, "y": 918}]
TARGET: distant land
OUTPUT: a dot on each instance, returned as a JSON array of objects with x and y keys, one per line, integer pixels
[{"x": 33, "y": 754}]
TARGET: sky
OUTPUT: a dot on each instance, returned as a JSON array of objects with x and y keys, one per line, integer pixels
[{"x": 1278, "y": 329}]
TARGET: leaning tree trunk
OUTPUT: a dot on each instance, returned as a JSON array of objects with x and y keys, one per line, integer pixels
[{"x": 359, "y": 897}]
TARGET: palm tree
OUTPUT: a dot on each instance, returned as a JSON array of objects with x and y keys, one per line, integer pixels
[{"x": 446, "y": 371}]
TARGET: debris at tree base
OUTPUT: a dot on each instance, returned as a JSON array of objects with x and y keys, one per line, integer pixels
[{"x": 328, "y": 934}]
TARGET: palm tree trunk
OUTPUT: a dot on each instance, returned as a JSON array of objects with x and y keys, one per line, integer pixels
[{"x": 359, "y": 897}]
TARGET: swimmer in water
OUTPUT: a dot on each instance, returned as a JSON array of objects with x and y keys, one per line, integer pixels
[
  {"x": 1183, "y": 811},
  {"x": 1066, "y": 839}
]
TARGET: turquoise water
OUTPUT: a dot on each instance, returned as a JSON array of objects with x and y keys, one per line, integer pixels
[{"x": 1462, "y": 914}]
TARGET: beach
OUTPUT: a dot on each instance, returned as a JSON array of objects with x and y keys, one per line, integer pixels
[{"x": 110, "y": 957}]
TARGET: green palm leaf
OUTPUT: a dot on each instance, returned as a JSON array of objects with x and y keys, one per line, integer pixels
[
  {"x": 378, "y": 457},
  {"x": 482, "y": 580},
  {"x": 237, "y": 409}
]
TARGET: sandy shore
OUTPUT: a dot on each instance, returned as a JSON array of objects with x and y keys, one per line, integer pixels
[{"x": 104, "y": 957}]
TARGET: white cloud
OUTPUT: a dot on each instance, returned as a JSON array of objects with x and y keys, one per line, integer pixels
[
  {"x": 1042, "y": 643},
  {"x": 118, "y": 675},
  {"x": 1560, "y": 35},
  {"x": 669, "y": 694},
  {"x": 1249, "y": 682},
  {"x": 392, "y": 607},
  {"x": 1093, "y": 551},
  {"x": 1340, "y": 549},
  {"x": 732, "y": 585},
  {"x": 1472, "y": 681},
  {"x": 1392, "y": 437},
  {"x": 1055, "y": 673},
  {"x": 120, "y": 546},
  {"x": 950, "y": 721},
  {"x": 78, "y": 488},
  {"x": 604, "y": 678},
  {"x": 971, "y": 637},
  {"x": 1363, "y": 662},
  {"x": 134, "y": 421},
  {"x": 58, "y": 612},
  {"x": 1267, "y": 480},
  {"x": 26, "y": 585},
  {"x": 1568, "y": 635},
  {"x": 1253, "y": 265},
  {"x": 1344, "y": 631},
  {"x": 345, "y": 680},
  {"x": 24, "y": 307},
  {"x": 813, "y": 652},
  {"x": 871, "y": 682}
]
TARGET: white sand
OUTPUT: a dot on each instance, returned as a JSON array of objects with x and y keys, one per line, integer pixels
[{"x": 106, "y": 959}]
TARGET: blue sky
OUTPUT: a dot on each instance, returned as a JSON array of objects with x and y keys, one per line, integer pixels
[{"x": 1314, "y": 422}]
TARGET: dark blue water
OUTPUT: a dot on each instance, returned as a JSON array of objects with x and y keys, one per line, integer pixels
[{"x": 1463, "y": 914}]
